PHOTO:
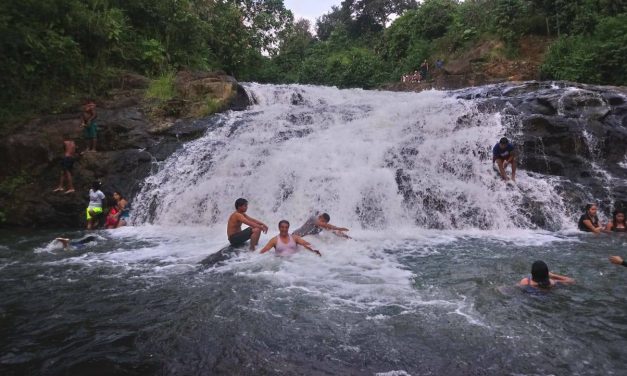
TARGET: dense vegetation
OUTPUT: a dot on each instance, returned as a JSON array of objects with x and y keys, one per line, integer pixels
[{"x": 53, "y": 51}]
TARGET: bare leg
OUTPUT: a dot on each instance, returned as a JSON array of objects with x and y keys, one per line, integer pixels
[
  {"x": 499, "y": 162},
  {"x": 70, "y": 183},
  {"x": 513, "y": 163},
  {"x": 93, "y": 144},
  {"x": 254, "y": 238},
  {"x": 60, "y": 187}
]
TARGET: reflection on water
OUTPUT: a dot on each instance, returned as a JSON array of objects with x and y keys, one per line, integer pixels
[{"x": 431, "y": 303}]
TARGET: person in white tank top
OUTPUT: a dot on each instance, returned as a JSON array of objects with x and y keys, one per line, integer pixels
[{"x": 285, "y": 244}]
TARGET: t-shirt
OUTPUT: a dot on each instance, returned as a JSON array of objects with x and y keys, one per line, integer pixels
[
  {"x": 497, "y": 152},
  {"x": 309, "y": 228},
  {"x": 95, "y": 198},
  {"x": 583, "y": 227}
]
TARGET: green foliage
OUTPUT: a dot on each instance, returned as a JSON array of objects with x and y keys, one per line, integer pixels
[
  {"x": 599, "y": 58},
  {"x": 162, "y": 88}
]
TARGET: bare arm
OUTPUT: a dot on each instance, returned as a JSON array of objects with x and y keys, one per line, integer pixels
[
  {"x": 270, "y": 244},
  {"x": 561, "y": 278},
  {"x": 618, "y": 260},
  {"x": 252, "y": 222},
  {"x": 329, "y": 226},
  {"x": 588, "y": 224},
  {"x": 304, "y": 243}
]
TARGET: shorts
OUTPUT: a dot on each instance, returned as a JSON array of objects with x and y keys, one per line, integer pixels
[
  {"x": 90, "y": 131},
  {"x": 67, "y": 163},
  {"x": 241, "y": 237},
  {"x": 94, "y": 209}
]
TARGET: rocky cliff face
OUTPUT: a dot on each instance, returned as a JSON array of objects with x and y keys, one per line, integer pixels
[
  {"x": 566, "y": 130},
  {"x": 132, "y": 137}
]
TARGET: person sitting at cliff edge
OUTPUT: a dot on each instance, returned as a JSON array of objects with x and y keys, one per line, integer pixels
[
  {"x": 589, "y": 222},
  {"x": 503, "y": 153},
  {"x": 318, "y": 222},
  {"x": 234, "y": 231}
]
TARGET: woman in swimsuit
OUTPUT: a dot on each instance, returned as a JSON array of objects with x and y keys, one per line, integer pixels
[
  {"x": 541, "y": 278},
  {"x": 617, "y": 224},
  {"x": 285, "y": 244},
  {"x": 589, "y": 222},
  {"x": 124, "y": 209}
]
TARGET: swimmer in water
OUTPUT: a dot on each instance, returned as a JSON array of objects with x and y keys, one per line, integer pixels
[
  {"x": 316, "y": 223},
  {"x": 79, "y": 243},
  {"x": 541, "y": 278},
  {"x": 617, "y": 224},
  {"x": 285, "y": 244},
  {"x": 589, "y": 222}
]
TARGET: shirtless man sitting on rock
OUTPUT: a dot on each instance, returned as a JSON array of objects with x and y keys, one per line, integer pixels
[{"x": 234, "y": 231}]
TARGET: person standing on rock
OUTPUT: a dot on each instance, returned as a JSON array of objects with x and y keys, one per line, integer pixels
[
  {"x": 503, "y": 153},
  {"x": 424, "y": 70},
  {"x": 89, "y": 126},
  {"x": 94, "y": 209},
  {"x": 234, "y": 231},
  {"x": 69, "y": 149}
]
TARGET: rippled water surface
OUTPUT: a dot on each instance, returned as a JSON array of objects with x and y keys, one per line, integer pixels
[{"x": 436, "y": 303}]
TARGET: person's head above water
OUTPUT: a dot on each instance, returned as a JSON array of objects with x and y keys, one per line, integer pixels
[
  {"x": 96, "y": 185},
  {"x": 540, "y": 274},
  {"x": 503, "y": 142},
  {"x": 618, "y": 217},
  {"x": 241, "y": 205},
  {"x": 324, "y": 217},
  {"x": 117, "y": 195},
  {"x": 591, "y": 209},
  {"x": 284, "y": 227}
]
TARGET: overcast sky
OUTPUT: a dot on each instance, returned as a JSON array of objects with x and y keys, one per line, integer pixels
[{"x": 310, "y": 9}]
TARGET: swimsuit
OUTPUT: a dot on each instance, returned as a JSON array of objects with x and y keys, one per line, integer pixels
[
  {"x": 285, "y": 249},
  {"x": 583, "y": 227},
  {"x": 95, "y": 202},
  {"x": 90, "y": 131},
  {"x": 619, "y": 229},
  {"x": 241, "y": 237},
  {"x": 67, "y": 163}
]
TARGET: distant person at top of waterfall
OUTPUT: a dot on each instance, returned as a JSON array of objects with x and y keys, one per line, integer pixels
[
  {"x": 541, "y": 278},
  {"x": 316, "y": 223},
  {"x": 503, "y": 154},
  {"x": 618, "y": 260},
  {"x": 589, "y": 222},
  {"x": 285, "y": 244},
  {"x": 234, "y": 231},
  {"x": 617, "y": 224}
]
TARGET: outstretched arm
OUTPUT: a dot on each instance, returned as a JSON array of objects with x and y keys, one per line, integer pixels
[
  {"x": 618, "y": 260},
  {"x": 270, "y": 244},
  {"x": 329, "y": 226},
  {"x": 561, "y": 278},
  {"x": 304, "y": 243}
]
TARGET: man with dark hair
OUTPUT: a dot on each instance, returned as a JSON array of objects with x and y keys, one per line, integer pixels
[
  {"x": 234, "y": 231},
  {"x": 316, "y": 223},
  {"x": 503, "y": 153}
]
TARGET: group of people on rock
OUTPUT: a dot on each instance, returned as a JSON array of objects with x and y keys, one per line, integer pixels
[
  {"x": 90, "y": 132},
  {"x": 119, "y": 211},
  {"x": 421, "y": 74},
  {"x": 284, "y": 243}
]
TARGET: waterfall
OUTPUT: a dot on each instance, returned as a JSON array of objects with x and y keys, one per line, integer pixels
[{"x": 373, "y": 160}]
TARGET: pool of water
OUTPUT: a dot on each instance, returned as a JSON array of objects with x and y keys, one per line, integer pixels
[{"x": 136, "y": 302}]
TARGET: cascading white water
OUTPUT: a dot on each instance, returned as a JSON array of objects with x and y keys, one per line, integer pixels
[{"x": 371, "y": 159}]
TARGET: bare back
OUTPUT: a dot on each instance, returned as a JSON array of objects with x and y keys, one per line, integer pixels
[
  {"x": 234, "y": 224},
  {"x": 70, "y": 148}
]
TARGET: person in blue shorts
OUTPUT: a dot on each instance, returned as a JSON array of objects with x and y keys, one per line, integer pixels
[{"x": 503, "y": 153}]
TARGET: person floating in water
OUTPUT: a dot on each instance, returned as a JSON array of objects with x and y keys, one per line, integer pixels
[
  {"x": 285, "y": 244},
  {"x": 618, "y": 260},
  {"x": 589, "y": 222},
  {"x": 89, "y": 126},
  {"x": 78, "y": 243},
  {"x": 94, "y": 209},
  {"x": 316, "y": 223},
  {"x": 67, "y": 163},
  {"x": 234, "y": 231},
  {"x": 541, "y": 278},
  {"x": 617, "y": 224},
  {"x": 503, "y": 153}
]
